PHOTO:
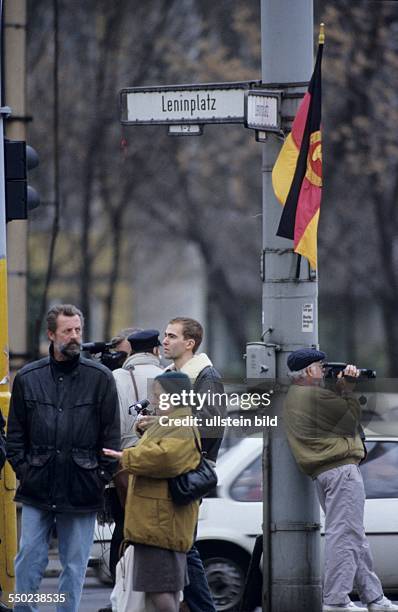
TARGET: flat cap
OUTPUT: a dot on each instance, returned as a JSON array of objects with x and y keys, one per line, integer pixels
[
  {"x": 144, "y": 340},
  {"x": 298, "y": 360}
]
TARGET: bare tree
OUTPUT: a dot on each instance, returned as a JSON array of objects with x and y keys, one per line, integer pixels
[
  {"x": 360, "y": 207},
  {"x": 106, "y": 185}
]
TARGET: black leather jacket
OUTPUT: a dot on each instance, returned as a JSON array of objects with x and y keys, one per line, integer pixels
[
  {"x": 209, "y": 381},
  {"x": 61, "y": 415}
]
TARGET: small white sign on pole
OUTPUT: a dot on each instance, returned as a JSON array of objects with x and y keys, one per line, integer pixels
[
  {"x": 307, "y": 320},
  {"x": 263, "y": 110}
]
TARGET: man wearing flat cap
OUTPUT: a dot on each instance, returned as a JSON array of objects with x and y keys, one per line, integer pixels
[
  {"x": 141, "y": 366},
  {"x": 132, "y": 381},
  {"x": 322, "y": 427}
]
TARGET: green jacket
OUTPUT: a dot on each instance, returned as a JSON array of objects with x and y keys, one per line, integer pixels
[
  {"x": 322, "y": 428},
  {"x": 151, "y": 517}
]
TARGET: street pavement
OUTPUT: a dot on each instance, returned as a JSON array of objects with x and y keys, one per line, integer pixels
[{"x": 95, "y": 594}]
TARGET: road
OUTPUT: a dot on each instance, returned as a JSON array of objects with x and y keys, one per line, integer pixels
[{"x": 95, "y": 594}]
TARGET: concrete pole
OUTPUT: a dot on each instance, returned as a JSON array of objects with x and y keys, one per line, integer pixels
[
  {"x": 8, "y": 532},
  {"x": 291, "y": 517}
]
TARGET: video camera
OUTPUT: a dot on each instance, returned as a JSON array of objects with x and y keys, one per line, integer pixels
[
  {"x": 140, "y": 407},
  {"x": 110, "y": 359},
  {"x": 333, "y": 369}
]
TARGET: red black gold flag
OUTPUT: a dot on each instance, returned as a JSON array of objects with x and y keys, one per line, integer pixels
[{"x": 297, "y": 173}]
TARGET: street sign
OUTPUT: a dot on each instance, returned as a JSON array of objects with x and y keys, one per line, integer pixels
[
  {"x": 262, "y": 110},
  {"x": 184, "y": 104}
]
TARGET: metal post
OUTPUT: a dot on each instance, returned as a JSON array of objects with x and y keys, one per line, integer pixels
[
  {"x": 291, "y": 530},
  {"x": 8, "y": 532},
  {"x": 14, "y": 94}
]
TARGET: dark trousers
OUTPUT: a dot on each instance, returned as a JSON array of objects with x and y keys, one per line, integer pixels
[
  {"x": 197, "y": 593},
  {"x": 117, "y": 536}
]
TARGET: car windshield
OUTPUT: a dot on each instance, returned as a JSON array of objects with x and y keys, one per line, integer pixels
[
  {"x": 248, "y": 486},
  {"x": 380, "y": 470}
]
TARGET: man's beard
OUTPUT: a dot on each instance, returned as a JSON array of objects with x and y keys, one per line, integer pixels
[{"x": 70, "y": 350}]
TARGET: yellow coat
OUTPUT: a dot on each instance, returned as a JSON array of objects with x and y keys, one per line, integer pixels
[{"x": 151, "y": 517}]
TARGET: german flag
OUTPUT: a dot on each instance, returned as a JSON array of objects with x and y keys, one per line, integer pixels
[{"x": 297, "y": 173}]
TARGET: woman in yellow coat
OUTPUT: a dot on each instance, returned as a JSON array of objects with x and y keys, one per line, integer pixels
[{"x": 161, "y": 531}]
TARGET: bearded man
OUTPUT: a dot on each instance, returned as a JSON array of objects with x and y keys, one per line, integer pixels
[{"x": 64, "y": 410}]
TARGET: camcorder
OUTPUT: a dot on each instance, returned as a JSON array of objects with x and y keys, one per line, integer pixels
[
  {"x": 333, "y": 369},
  {"x": 142, "y": 407},
  {"x": 108, "y": 357}
]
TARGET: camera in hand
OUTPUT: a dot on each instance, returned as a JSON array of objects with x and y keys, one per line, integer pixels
[
  {"x": 140, "y": 407},
  {"x": 109, "y": 358},
  {"x": 333, "y": 369}
]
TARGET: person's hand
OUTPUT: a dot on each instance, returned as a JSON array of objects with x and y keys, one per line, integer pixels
[
  {"x": 109, "y": 452},
  {"x": 346, "y": 380},
  {"x": 144, "y": 421}
]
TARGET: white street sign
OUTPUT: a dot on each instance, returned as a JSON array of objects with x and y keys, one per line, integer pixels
[{"x": 218, "y": 103}]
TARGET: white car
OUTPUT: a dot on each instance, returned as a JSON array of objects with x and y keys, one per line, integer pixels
[{"x": 230, "y": 520}]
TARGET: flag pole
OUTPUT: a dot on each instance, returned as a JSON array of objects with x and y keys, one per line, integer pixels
[{"x": 321, "y": 37}]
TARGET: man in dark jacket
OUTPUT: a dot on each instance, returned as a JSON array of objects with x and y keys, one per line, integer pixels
[
  {"x": 182, "y": 339},
  {"x": 63, "y": 411}
]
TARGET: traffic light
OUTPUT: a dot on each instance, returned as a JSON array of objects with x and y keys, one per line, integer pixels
[{"x": 20, "y": 197}]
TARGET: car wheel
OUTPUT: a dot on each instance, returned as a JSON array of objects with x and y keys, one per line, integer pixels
[{"x": 226, "y": 572}]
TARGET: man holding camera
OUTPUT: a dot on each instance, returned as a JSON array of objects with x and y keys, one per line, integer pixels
[
  {"x": 133, "y": 379},
  {"x": 323, "y": 430}
]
